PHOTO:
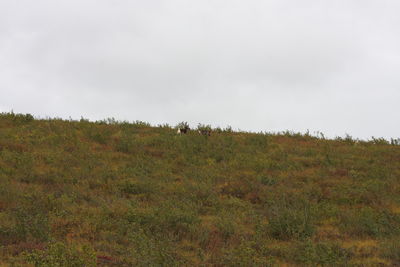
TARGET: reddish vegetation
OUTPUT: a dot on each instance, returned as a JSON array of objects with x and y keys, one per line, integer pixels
[{"x": 110, "y": 193}]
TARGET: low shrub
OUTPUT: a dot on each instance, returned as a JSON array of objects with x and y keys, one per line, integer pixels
[
  {"x": 168, "y": 219},
  {"x": 151, "y": 249},
  {"x": 367, "y": 222},
  {"x": 267, "y": 180},
  {"x": 245, "y": 254},
  {"x": 60, "y": 255},
  {"x": 321, "y": 254},
  {"x": 127, "y": 144},
  {"x": 32, "y": 218},
  {"x": 286, "y": 223},
  {"x": 18, "y": 119},
  {"x": 137, "y": 188},
  {"x": 226, "y": 227},
  {"x": 390, "y": 249}
]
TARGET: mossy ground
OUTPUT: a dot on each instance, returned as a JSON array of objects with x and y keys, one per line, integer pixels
[{"x": 80, "y": 193}]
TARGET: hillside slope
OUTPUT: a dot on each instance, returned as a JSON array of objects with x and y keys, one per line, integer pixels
[{"x": 80, "y": 193}]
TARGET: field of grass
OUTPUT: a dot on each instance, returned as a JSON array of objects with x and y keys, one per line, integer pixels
[{"x": 108, "y": 193}]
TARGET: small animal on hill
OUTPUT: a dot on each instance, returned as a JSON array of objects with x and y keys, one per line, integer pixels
[
  {"x": 183, "y": 130},
  {"x": 205, "y": 132}
]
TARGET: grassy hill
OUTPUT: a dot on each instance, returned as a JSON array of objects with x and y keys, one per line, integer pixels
[{"x": 80, "y": 193}]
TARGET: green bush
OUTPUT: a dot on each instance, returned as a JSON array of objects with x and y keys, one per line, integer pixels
[
  {"x": 204, "y": 128},
  {"x": 150, "y": 249},
  {"x": 369, "y": 222},
  {"x": 127, "y": 144},
  {"x": 226, "y": 226},
  {"x": 32, "y": 218},
  {"x": 246, "y": 254},
  {"x": 259, "y": 141},
  {"x": 322, "y": 254},
  {"x": 18, "y": 119},
  {"x": 59, "y": 255},
  {"x": 137, "y": 188},
  {"x": 31, "y": 224},
  {"x": 266, "y": 180},
  {"x": 169, "y": 219},
  {"x": 288, "y": 223}
]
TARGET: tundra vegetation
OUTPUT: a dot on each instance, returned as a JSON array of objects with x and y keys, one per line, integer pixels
[{"x": 110, "y": 193}]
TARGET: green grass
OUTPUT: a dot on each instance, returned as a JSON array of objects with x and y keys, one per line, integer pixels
[{"x": 109, "y": 193}]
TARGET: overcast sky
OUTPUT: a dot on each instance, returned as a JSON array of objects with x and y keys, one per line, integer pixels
[{"x": 257, "y": 65}]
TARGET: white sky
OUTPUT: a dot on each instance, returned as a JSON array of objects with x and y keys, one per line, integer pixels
[{"x": 268, "y": 65}]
